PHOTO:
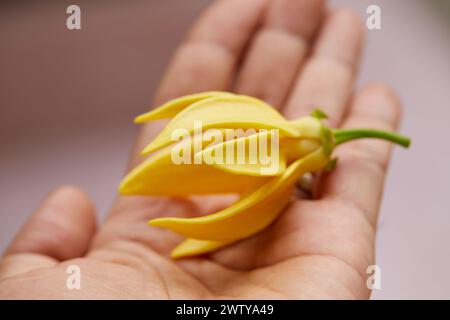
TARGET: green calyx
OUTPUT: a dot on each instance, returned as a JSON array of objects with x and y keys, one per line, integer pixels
[
  {"x": 327, "y": 136},
  {"x": 319, "y": 114},
  {"x": 328, "y": 140},
  {"x": 334, "y": 137}
]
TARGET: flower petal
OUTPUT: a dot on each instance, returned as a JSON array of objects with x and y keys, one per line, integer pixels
[
  {"x": 194, "y": 247},
  {"x": 250, "y": 214},
  {"x": 255, "y": 155},
  {"x": 160, "y": 176},
  {"x": 234, "y": 112},
  {"x": 171, "y": 108},
  {"x": 309, "y": 127}
]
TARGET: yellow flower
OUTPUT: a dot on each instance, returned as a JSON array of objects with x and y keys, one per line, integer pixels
[{"x": 261, "y": 164}]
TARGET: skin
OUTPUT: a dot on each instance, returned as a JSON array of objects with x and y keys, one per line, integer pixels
[{"x": 296, "y": 55}]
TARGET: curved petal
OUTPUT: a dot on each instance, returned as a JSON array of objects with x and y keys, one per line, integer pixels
[
  {"x": 194, "y": 247},
  {"x": 173, "y": 107},
  {"x": 235, "y": 112},
  {"x": 256, "y": 155},
  {"x": 160, "y": 176},
  {"x": 250, "y": 214},
  {"x": 309, "y": 127}
]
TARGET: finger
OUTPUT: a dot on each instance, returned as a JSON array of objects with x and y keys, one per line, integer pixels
[
  {"x": 327, "y": 78},
  {"x": 61, "y": 228},
  {"x": 207, "y": 58},
  {"x": 359, "y": 176},
  {"x": 278, "y": 49}
]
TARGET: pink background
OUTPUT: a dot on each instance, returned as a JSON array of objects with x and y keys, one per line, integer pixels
[{"x": 67, "y": 99}]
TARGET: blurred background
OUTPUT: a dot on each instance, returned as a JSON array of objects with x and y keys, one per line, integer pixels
[{"x": 67, "y": 100}]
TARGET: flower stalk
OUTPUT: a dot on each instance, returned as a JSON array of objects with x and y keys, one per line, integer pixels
[{"x": 344, "y": 135}]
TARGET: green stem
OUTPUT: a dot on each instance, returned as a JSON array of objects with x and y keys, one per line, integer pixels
[{"x": 344, "y": 135}]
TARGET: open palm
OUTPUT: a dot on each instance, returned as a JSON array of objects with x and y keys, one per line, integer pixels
[{"x": 295, "y": 54}]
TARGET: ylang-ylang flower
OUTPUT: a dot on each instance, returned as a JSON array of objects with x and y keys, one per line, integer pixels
[{"x": 227, "y": 143}]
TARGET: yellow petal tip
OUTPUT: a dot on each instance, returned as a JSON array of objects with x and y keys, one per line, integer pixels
[
  {"x": 122, "y": 188},
  {"x": 126, "y": 186},
  {"x": 159, "y": 222},
  {"x": 177, "y": 255},
  {"x": 141, "y": 118},
  {"x": 147, "y": 150}
]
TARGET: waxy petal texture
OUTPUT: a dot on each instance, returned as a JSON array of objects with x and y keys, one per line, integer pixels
[
  {"x": 160, "y": 176},
  {"x": 250, "y": 214},
  {"x": 194, "y": 247},
  {"x": 173, "y": 107},
  {"x": 235, "y": 112},
  {"x": 236, "y": 156}
]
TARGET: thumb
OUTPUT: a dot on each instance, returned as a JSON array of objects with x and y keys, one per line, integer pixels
[{"x": 62, "y": 228}]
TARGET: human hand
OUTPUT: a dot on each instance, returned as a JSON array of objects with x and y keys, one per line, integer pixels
[{"x": 293, "y": 55}]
